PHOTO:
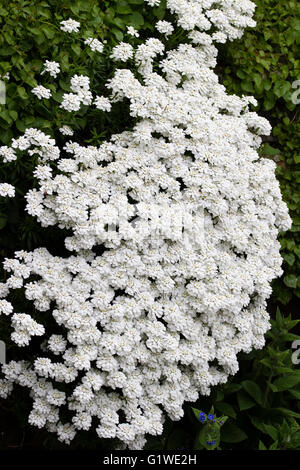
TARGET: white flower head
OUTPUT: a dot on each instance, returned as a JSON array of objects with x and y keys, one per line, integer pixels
[
  {"x": 164, "y": 27},
  {"x": 7, "y": 190},
  {"x": 41, "y": 92},
  {"x": 52, "y": 67},
  {"x": 66, "y": 130},
  {"x": 132, "y": 32},
  {"x": 122, "y": 52},
  {"x": 102, "y": 103},
  {"x": 70, "y": 26},
  {"x": 94, "y": 44}
]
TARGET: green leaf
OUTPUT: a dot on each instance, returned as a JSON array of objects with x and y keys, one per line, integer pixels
[
  {"x": 226, "y": 408},
  {"x": 196, "y": 412},
  {"x": 289, "y": 258},
  {"x": 244, "y": 401},
  {"x": 269, "y": 150},
  {"x": 136, "y": 19},
  {"x": 295, "y": 394},
  {"x": 231, "y": 388},
  {"x": 297, "y": 158},
  {"x": 290, "y": 280},
  {"x": 13, "y": 114},
  {"x": 274, "y": 446},
  {"x": 259, "y": 85},
  {"x": 22, "y": 92},
  {"x": 6, "y": 51},
  {"x": 253, "y": 389},
  {"x": 76, "y": 48},
  {"x": 160, "y": 11},
  {"x": 247, "y": 86},
  {"x": 49, "y": 32},
  {"x": 271, "y": 431},
  {"x": 286, "y": 382},
  {"x": 257, "y": 423},
  {"x": 119, "y": 35},
  {"x": 261, "y": 446},
  {"x": 3, "y": 222},
  {"x": 269, "y": 101},
  {"x": 287, "y": 412},
  {"x": 21, "y": 126},
  {"x": 232, "y": 433},
  {"x": 281, "y": 88},
  {"x": 6, "y": 117},
  {"x": 123, "y": 9}
]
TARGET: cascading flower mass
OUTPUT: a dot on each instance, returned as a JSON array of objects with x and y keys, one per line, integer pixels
[{"x": 157, "y": 318}]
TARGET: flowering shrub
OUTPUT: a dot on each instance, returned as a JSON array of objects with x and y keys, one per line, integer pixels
[{"x": 134, "y": 323}]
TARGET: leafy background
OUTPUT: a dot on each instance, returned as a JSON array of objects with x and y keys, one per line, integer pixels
[{"x": 259, "y": 407}]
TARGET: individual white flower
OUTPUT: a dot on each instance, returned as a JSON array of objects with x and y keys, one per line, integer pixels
[
  {"x": 153, "y": 3},
  {"x": 7, "y": 190},
  {"x": 52, "y": 67},
  {"x": 102, "y": 103},
  {"x": 200, "y": 38},
  {"x": 66, "y": 432},
  {"x": 43, "y": 172},
  {"x": 8, "y": 154},
  {"x": 164, "y": 27},
  {"x": 219, "y": 37},
  {"x": 6, "y": 388},
  {"x": 5, "y": 307},
  {"x": 41, "y": 92},
  {"x": 132, "y": 32},
  {"x": 71, "y": 102},
  {"x": 80, "y": 84},
  {"x": 123, "y": 51},
  {"x": 57, "y": 344},
  {"x": 66, "y": 130},
  {"x": 70, "y": 26},
  {"x": 94, "y": 44}
]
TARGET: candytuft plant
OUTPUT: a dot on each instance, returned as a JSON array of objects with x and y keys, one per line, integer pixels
[{"x": 170, "y": 229}]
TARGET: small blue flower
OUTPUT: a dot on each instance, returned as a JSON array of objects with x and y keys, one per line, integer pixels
[
  {"x": 202, "y": 417},
  {"x": 211, "y": 443},
  {"x": 211, "y": 418}
]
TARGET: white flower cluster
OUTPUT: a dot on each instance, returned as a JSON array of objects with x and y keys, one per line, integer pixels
[
  {"x": 7, "y": 190},
  {"x": 154, "y": 320},
  {"x": 7, "y": 154},
  {"x": 94, "y": 44},
  {"x": 122, "y": 52},
  {"x": 52, "y": 67},
  {"x": 132, "y": 32},
  {"x": 66, "y": 130},
  {"x": 164, "y": 27},
  {"x": 227, "y": 18},
  {"x": 41, "y": 92},
  {"x": 80, "y": 85},
  {"x": 24, "y": 328},
  {"x": 102, "y": 103},
  {"x": 70, "y": 26}
]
